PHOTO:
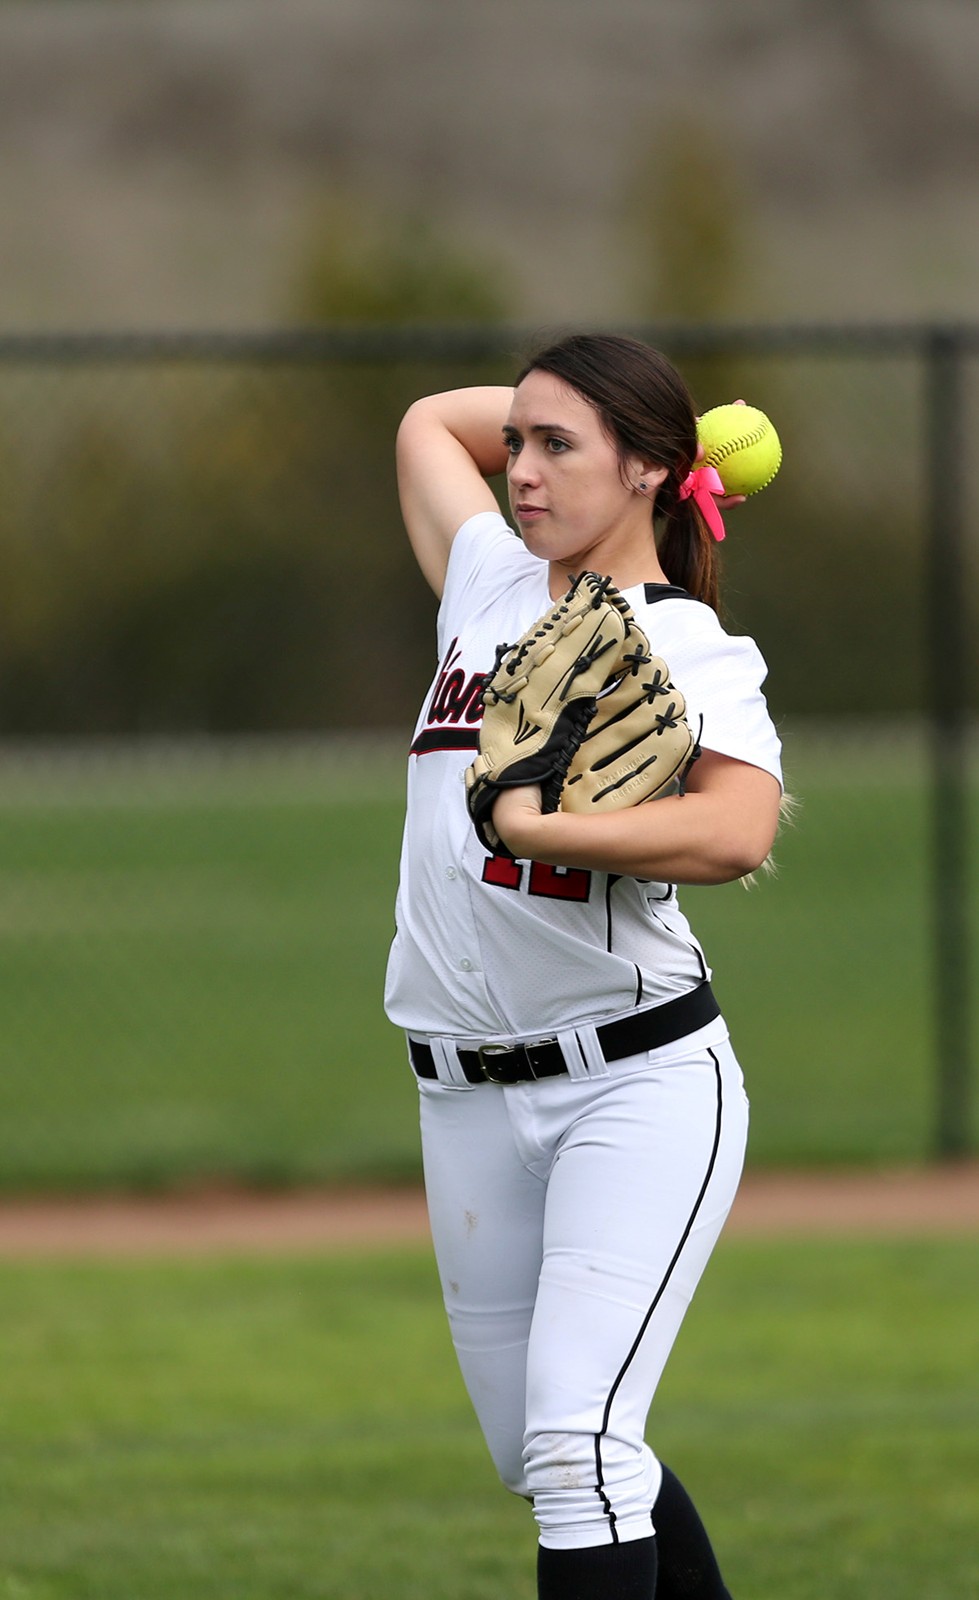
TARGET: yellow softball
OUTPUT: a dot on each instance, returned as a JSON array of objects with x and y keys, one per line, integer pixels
[{"x": 741, "y": 445}]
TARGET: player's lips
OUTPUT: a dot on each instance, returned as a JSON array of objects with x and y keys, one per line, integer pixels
[{"x": 527, "y": 513}]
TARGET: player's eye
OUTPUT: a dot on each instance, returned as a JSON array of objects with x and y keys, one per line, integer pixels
[
  {"x": 512, "y": 442},
  {"x": 557, "y": 446}
]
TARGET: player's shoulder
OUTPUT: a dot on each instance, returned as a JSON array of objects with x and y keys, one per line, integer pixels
[
  {"x": 486, "y": 556},
  {"x": 690, "y": 634},
  {"x": 665, "y": 610},
  {"x": 481, "y": 535},
  {"x": 720, "y": 673}
]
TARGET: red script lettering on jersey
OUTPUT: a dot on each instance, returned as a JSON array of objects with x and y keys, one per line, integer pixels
[{"x": 454, "y": 710}]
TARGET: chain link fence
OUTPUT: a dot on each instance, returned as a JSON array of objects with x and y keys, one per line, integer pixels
[{"x": 213, "y": 641}]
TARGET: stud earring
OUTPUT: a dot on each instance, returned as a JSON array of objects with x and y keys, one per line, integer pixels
[{"x": 642, "y": 488}]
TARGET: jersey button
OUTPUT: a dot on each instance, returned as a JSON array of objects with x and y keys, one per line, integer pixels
[
  {"x": 450, "y": 873},
  {"x": 466, "y": 964}
]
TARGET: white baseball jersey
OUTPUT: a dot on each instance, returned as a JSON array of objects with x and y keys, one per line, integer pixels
[{"x": 488, "y": 948}]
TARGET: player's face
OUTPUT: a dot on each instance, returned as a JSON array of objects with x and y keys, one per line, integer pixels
[{"x": 573, "y": 501}]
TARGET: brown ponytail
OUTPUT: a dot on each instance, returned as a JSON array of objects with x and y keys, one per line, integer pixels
[
  {"x": 647, "y": 411},
  {"x": 687, "y": 548}
]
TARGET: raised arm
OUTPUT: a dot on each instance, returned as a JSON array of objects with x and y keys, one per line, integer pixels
[{"x": 448, "y": 445}]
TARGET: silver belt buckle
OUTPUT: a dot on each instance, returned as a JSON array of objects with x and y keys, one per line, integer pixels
[{"x": 491, "y": 1050}]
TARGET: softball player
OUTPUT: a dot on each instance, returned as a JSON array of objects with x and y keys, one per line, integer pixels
[{"x": 583, "y": 1115}]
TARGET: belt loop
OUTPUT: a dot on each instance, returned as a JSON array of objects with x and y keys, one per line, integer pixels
[
  {"x": 447, "y": 1063},
  {"x": 583, "y": 1053}
]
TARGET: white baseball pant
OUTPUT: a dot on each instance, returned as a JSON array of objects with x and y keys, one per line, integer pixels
[{"x": 572, "y": 1220}]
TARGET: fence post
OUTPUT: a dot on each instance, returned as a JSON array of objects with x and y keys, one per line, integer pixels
[{"x": 946, "y": 623}]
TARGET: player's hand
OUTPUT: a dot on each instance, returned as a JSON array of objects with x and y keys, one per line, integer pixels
[
  {"x": 725, "y": 501},
  {"x": 516, "y": 818}
]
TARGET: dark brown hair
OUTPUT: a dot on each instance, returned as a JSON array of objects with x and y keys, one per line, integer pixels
[{"x": 646, "y": 409}]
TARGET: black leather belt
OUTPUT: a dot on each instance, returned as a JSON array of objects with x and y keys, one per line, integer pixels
[{"x": 544, "y": 1058}]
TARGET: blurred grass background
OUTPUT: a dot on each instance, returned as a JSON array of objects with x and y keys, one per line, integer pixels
[
  {"x": 192, "y": 955},
  {"x": 200, "y": 794},
  {"x": 298, "y": 1429}
]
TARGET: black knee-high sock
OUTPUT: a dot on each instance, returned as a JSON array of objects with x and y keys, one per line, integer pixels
[
  {"x": 601, "y": 1572},
  {"x": 688, "y": 1568}
]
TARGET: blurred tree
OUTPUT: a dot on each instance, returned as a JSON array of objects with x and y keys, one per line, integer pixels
[
  {"x": 359, "y": 264},
  {"x": 179, "y": 544},
  {"x": 688, "y": 223},
  {"x": 690, "y": 241}
]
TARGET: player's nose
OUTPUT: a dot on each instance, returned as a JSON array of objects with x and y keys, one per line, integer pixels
[{"x": 524, "y": 468}]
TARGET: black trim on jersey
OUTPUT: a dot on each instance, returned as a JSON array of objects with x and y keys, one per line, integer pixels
[
  {"x": 606, "y": 1417},
  {"x": 688, "y": 942},
  {"x": 665, "y": 591},
  {"x": 610, "y": 883},
  {"x": 600, "y": 1489},
  {"x": 445, "y": 739}
]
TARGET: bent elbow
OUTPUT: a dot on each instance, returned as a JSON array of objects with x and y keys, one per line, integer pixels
[
  {"x": 743, "y": 854},
  {"x": 416, "y": 420}
]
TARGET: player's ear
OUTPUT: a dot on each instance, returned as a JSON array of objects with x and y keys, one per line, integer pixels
[{"x": 645, "y": 476}]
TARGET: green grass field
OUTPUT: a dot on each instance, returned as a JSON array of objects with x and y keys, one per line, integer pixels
[
  {"x": 191, "y": 966},
  {"x": 297, "y": 1429}
]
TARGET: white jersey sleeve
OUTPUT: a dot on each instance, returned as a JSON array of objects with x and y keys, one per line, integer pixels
[
  {"x": 486, "y": 561},
  {"x": 720, "y": 675}
]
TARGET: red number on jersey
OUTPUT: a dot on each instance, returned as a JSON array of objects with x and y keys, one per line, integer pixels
[
  {"x": 502, "y": 871},
  {"x": 559, "y": 883},
  {"x": 552, "y": 883}
]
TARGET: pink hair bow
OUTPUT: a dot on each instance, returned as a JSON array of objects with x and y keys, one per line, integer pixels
[{"x": 704, "y": 483}]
